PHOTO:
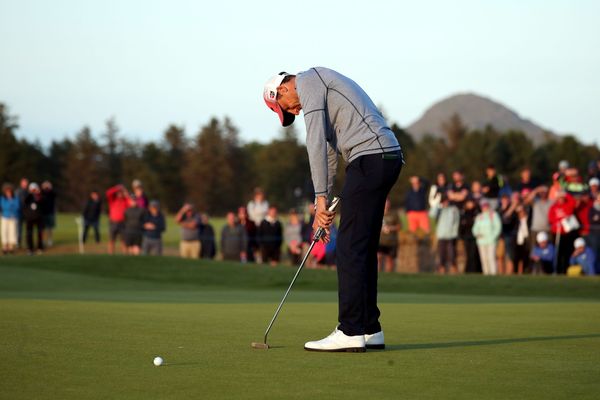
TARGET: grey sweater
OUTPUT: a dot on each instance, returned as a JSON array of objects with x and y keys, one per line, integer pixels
[
  {"x": 234, "y": 240},
  {"x": 340, "y": 119}
]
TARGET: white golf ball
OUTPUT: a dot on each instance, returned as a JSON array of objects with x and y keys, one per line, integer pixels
[{"x": 158, "y": 361}]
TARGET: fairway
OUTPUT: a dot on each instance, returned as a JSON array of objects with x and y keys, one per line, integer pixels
[{"x": 88, "y": 328}]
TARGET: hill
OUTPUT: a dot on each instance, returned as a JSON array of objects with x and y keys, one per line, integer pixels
[{"x": 476, "y": 112}]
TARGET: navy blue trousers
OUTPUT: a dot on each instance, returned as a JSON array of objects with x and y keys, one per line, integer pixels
[{"x": 369, "y": 180}]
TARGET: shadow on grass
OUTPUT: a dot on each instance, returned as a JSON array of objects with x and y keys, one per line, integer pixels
[{"x": 490, "y": 342}]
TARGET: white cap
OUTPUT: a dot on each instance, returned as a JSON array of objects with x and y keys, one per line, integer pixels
[
  {"x": 579, "y": 242},
  {"x": 270, "y": 97},
  {"x": 563, "y": 164},
  {"x": 33, "y": 186},
  {"x": 541, "y": 237},
  {"x": 594, "y": 181}
]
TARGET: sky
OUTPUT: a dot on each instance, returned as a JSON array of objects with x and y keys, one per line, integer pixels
[{"x": 65, "y": 64}]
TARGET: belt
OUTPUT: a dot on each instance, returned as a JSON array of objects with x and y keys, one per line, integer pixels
[{"x": 392, "y": 155}]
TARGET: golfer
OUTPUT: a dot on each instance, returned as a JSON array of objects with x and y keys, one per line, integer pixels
[{"x": 342, "y": 119}]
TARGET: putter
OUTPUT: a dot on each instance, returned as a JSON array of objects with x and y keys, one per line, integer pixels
[{"x": 318, "y": 235}]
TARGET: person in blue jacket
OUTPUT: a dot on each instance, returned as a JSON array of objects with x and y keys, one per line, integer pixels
[
  {"x": 542, "y": 254},
  {"x": 11, "y": 210},
  {"x": 583, "y": 256}
]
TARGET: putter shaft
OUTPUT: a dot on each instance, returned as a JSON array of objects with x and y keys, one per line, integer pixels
[
  {"x": 318, "y": 235},
  {"x": 288, "y": 289}
]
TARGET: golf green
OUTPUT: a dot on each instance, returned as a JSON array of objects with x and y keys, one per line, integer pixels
[{"x": 88, "y": 327}]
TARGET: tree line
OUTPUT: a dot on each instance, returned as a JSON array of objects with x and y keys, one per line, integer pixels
[{"x": 217, "y": 171}]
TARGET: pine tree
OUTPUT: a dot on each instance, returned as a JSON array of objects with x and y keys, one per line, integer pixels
[
  {"x": 283, "y": 170},
  {"x": 9, "y": 146},
  {"x": 82, "y": 170},
  {"x": 172, "y": 165},
  {"x": 112, "y": 150},
  {"x": 454, "y": 130},
  {"x": 209, "y": 175}
]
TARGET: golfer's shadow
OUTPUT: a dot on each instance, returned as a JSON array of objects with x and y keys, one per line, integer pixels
[{"x": 489, "y": 342}]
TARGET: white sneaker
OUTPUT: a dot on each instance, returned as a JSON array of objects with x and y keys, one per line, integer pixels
[
  {"x": 338, "y": 341},
  {"x": 375, "y": 341}
]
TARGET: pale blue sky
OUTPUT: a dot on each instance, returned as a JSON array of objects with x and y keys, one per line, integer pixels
[{"x": 65, "y": 64}]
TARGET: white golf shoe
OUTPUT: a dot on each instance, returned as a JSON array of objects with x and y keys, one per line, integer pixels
[
  {"x": 338, "y": 341},
  {"x": 375, "y": 341}
]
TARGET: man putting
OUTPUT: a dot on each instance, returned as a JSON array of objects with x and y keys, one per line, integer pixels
[{"x": 342, "y": 119}]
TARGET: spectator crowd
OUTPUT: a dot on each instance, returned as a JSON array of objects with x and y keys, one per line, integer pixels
[
  {"x": 252, "y": 233},
  {"x": 527, "y": 227},
  {"x": 28, "y": 213},
  {"x": 497, "y": 226}
]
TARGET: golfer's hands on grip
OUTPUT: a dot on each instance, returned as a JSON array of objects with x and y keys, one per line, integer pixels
[{"x": 323, "y": 217}]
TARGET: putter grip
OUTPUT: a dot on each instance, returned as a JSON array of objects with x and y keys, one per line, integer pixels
[{"x": 332, "y": 207}]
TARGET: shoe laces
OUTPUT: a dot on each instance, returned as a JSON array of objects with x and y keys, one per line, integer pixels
[{"x": 335, "y": 331}]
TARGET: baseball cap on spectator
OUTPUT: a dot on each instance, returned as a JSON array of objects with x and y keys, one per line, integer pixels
[
  {"x": 579, "y": 243},
  {"x": 270, "y": 97},
  {"x": 541, "y": 237},
  {"x": 136, "y": 183},
  {"x": 563, "y": 164},
  {"x": 594, "y": 182},
  {"x": 154, "y": 203},
  {"x": 33, "y": 186}
]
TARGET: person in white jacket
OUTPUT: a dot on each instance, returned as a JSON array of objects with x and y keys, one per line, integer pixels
[{"x": 448, "y": 219}]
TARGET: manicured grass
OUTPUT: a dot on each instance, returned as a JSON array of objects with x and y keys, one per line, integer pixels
[
  {"x": 88, "y": 328},
  {"x": 195, "y": 275}
]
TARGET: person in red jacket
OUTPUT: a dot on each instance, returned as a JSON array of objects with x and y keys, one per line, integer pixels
[
  {"x": 561, "y": 217},
  {"x": 118, "y": 201},
  {"x": 583, "y": 204}
]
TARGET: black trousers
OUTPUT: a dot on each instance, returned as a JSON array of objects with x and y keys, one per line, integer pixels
[
  {"x": 565, "y": 249},
  {"x": 368, "y": 182},
  {"x": 473, "y": 264},
  {"x": 30, "y": 225},
  {"x": 95, "y": 226}
]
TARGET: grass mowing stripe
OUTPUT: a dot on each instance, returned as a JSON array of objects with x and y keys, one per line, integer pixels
[
  {"x": 27, "y": 283},
  {"x": 200, "y": 273}
]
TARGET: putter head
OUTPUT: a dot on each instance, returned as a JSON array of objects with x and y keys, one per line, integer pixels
[{"x": 262, "y": 346}]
